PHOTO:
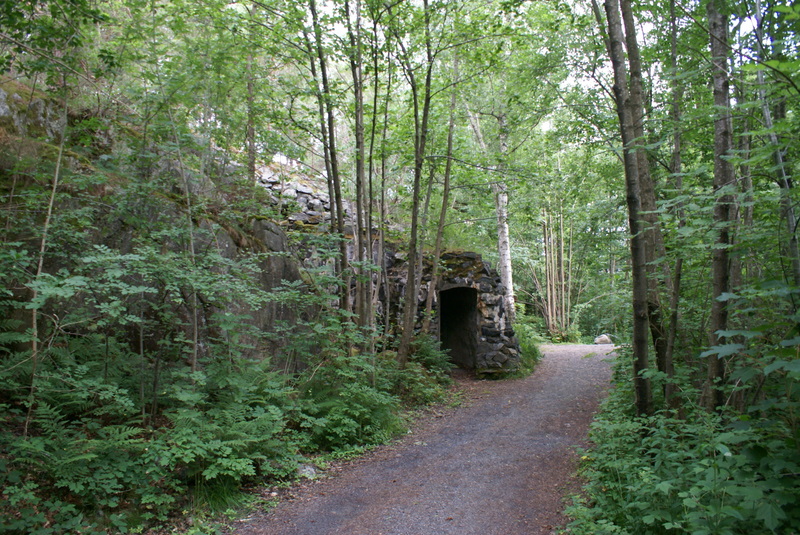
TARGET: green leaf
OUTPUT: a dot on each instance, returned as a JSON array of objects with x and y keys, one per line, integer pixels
[
  {"x": 770, "y": 514},
  {"x": 721, "y": 351},
  {"x": 664, "y": 486},
  {"x": 792, "y": 342},
  {"x": 743, "y": 333},
  {"x": 792, "y": 366}
]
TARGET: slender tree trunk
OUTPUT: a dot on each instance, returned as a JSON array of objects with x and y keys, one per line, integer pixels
[
  {"x": 569, "y": 284},
  {"x": 504, "y": 249},
  {"x": 323, "y": 137},
  {"x": 362, "y": 232},
  {"x": 654, "y": 240},
  {"x": 503, "y": 235},
  {"x": 562, "y": 276},
  {"x": 383, "y": 208},
  {"x": 637, "y": 242},
  {"x": 421, "y": 114},
  {"x": 323, "y": 130},
  {"x": 330, "y": 128},
  {"x": 500, "y": 191},
  {"x": 424, "y": 226},
  {"x": 549, "y": 275},
  {"x": 556, "y": 294},
  {"x": 375, "y": 277},
  {"x": 437, "y": 251},
  {"x": 676, "y": 168},
  {"x": 723, "y": 182},
  {"x": 35, "y": 357},
  {"x": 251, "y": 121},
  {"x": 784, "y": 181}
]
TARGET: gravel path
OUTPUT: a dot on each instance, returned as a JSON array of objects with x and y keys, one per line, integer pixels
[{"x": 500, "y": 463}]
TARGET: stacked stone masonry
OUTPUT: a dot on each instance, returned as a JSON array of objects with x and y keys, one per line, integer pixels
[{"x": 484, "y": 340}]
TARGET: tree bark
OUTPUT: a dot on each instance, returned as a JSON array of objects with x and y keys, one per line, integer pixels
[
  {"x": 251, "y": 122},
  {"x": 503, "y": 235},
  {"x": 637, "y": 241},
  {"x": 448, "y": 166},
  {"x": 329, "y": 128},
  {"x": 422, "y": 105},
  {"x": 363, "y": 234},
  {"x": 723, "y": 182},
  {"x": 784, "y": 180},
  {"x": 655, "y": 250},
  {"x": 676, "y": 169},
  {"x": 504, "y": 250}
]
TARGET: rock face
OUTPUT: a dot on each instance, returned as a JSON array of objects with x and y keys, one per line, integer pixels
[
  {"x": 28, "y": 113},
  {"x": 305, "y": 201}
]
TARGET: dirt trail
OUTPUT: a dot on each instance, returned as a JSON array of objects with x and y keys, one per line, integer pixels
[{"x": 500, "y": 463}]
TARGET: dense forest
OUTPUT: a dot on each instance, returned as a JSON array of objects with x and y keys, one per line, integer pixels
[{"x": 170, "y": 334}]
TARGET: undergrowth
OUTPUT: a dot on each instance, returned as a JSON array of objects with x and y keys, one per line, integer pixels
[
  {"x": 153, "y": 394},
  {"x": 92, "y": 465},
  {"x": 700, "y": 472},
  {"x": 527, "y": 332}
]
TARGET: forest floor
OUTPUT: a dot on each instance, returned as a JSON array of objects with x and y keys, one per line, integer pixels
[{"x": 501, "y": 462}]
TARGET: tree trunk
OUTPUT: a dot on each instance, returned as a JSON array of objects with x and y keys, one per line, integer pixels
[
  {"x": 654, "y": 240},
  {"x": 504, "y": 249},
  {"x": 375, "y": 277},
  {"x": 723, "y": 183},
  {"x": 784, "y": 181},
  {"x": 424, "y": 227},
  {"x": 251, "y": 122},
  {"x": 362, "y": 232},
  {"x": 637, "y": 240},
  {"x": 329, "y": 127},
  {"x": 676, "y": 169},
  {"x": 437, "y": 251},
  {"x": 421, "y": 114},
  {"x": 503, "y": 236}
]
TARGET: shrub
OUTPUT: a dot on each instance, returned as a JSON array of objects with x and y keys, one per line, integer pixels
[
  {"x": 529, "y": 340},
  {"x": 345, "y": 404},
  {"x": 704, "y": 474}
]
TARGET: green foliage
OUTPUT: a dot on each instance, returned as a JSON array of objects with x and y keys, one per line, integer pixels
[
  {"x": 664, "y": 475},
  {"x": 425, "y": 377},
  {"x": 426, "y": 351},
  {"x": 349, "y": 402},
  {"x": 728, "y": 473},
  {"x": 44, "y": 27},
  {"x": 527, "y": 329}
]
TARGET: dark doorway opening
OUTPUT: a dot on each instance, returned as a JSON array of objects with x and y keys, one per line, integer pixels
[{"x": 458, "y": 325}]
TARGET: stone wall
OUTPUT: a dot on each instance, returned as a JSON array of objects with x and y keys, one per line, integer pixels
[
  {"x": 493, "y": 344},
  {"x": 482, "y": 339}
]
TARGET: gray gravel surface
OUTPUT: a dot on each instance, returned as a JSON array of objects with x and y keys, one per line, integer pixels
[{"x": 500, "y": 463}]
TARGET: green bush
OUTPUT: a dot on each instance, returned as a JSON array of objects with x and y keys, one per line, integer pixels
[
  {"x": 345, "y": 404},
  {"x": 705, "y": 474},
  {"x": 529, "y": 340},
  {"x": 426, "y": 351}
]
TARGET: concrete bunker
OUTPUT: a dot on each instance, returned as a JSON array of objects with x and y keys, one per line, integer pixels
[{"x": 458, "y": 325}]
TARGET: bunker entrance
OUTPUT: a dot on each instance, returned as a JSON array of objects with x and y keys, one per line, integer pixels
[{"x": 458, "y": 325}]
